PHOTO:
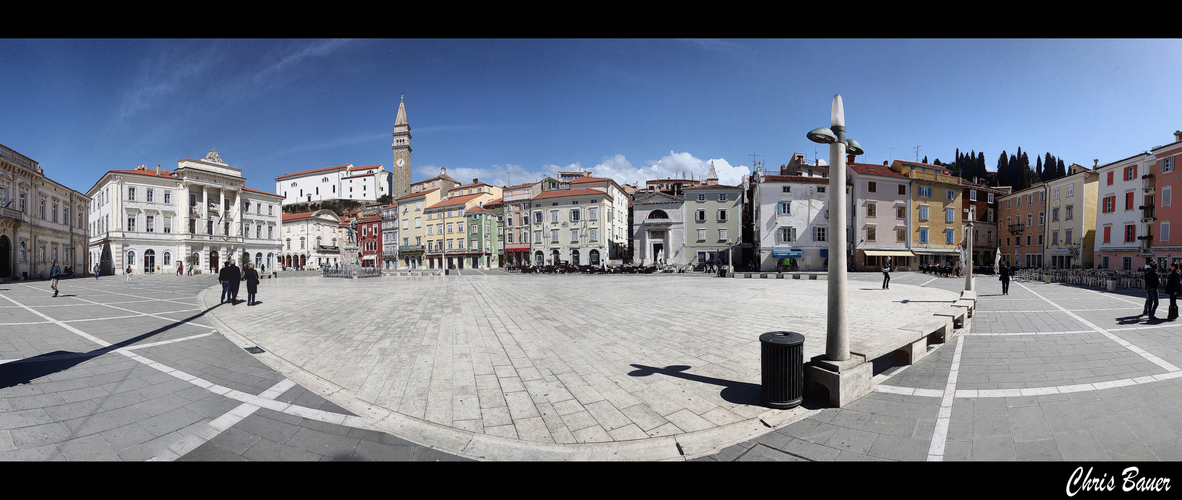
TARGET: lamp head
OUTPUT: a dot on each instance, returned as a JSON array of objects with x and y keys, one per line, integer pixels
[
  {"x": 837, "y": 115},
  {"x": 822, "y": 136},
  {"x": 852, "y": 147}
]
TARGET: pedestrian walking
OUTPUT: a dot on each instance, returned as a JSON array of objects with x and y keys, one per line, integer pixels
[
  {"x": 1173, "y": 287},
  {"x": 252, "y": 284},
  {"x": 1004, "y": 276},
  {"x": 235, "y": 281},
  {"x": 180, "y": 268},
  {"x": 224, "y": 278},
  {"x": 54, "y": 273},
  {"x": 886, "y": 273},
  {"x": 1151, "y": 285},
  {"x": 96, "y": 271},
  {"x": 127, "y": 272}
]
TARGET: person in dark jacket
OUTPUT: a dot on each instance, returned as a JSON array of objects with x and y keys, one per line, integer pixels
[
  {"x": 235, "y": 282},
  {"x": 1004, "y": 273},
  {"x": 1173, "y": 287},
  {"x": 1151, "y": 285},
  {"x": 886, "y": 273},
  {"x": 252, "y": 284},
  {"x": 224, "y": 278},
  {"x": 55, "y": 273}
]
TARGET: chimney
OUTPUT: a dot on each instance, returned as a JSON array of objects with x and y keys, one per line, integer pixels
[
  {"x": 885, "y": 163},
  {"x": 849, "y": 158},
  {"x": 475, "y": 181},
  {"x": 157, "y": 169},
  {"x": 1178, "y": 136},
  {"x": 1097, "y": 165}
]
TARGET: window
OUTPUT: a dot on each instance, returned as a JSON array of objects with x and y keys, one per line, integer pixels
[
  {"x": 972, "y": 195},
  {"x": 593, "y": 234},
  {"x": 1165, "y": 232},
  {"x": 786, "y": 235},
  {"x": 786, "y": 189},
  {"x": 574, "y": 215},
  {"x": 554, "y": 236},
  {"x": 1055, "y": 238},
  {"x": 871, "y": 233},
  {"x": 1130, "y": 173},
  {"x": 951, "y": 195},
  {"x": 871, "y": 209},
  {"x": 1054, "y": 215},
  {"x": 721, "y": 196},
  {"x": 1069, "y": 212},
  {"x": 784, "y": 208},
  {"x": 701, "y": 196},
  {"x": 900, "y": 212},
  {"x": 923, "y": 235},
  {"x": 537, "y": 217},
  {"x": 820, "y": 189},
  {"x": 1130, "y": 233},
  {"x": 592, "y": 213},
  {"x": 574, "y": 235},
  {"x": 131, "y": 194},
  {"x": 923, "y": 212},
  {"x": 990, "y": 198},
  {"x": 722, "y": 234},
  {"x": 1067, "y": 237},
  {"x": 1107, "y": 234},
  {"x": 902, "y": 189},
  {"x": 1129, "y": 200},
  {"x": 1166, "y": 196},
  {"x": 1167, "y": 164},
  {"x": 701, "y": 234},
  {"x": 1070, "y": 190},
  {"x": 819, "y": 234},
  {"x": 1055, "y": 196},
  {"x": 700, "y": 216},
  {"x": 925, "y": 191},
  {"x": 949, "y": 213},
  {"x": 948, "y": 235},
  {"x": 537, "y": 236},
  {"x": 1110, "y": 178},
  {"x": 148, "y": 226},
  {"x": 131, "y": 223},
  {"x": 871, "y": 187},
  {"x": 553, "y": 216},
  {"x": 167, "y": 224}
]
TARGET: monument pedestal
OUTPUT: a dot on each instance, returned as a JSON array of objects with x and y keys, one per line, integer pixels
[{"x": 842, "y": 381}]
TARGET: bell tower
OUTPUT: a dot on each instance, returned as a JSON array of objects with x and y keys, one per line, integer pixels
[{"x": 400, "y": 179}]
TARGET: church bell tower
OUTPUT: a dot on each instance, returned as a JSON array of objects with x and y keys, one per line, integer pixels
[{"x": 400, "y": 179}]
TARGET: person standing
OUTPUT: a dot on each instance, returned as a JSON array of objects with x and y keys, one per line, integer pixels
[
  {"x": 96, "y": 271},
  {"x": 128, "y": 273},
  {"x": 224, "y": 278},
  {"x": 1151, "y": 285},
  {"x": 180, "y": 268},
  {"x": 54, "y": 273},
  {"x": 886, "y": 273},
  {"x": 1004, "y": 273},
  {"x": 1173, "y": 287},
  {"x": 252, "y": 284},
  {"x": 235, "y": 281}
]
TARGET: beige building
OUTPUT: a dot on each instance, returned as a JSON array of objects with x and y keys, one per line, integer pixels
[
  {"x": 1071, "y": 219},
  {"x": 446, "y": 236},
  {"x": 40, "y": 221}
]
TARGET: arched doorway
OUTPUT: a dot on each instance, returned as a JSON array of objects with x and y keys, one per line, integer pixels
[
  {"x": 538, "y": 256},
  {"x": 213, "y": 261},
  {"x": 574, "y": 257},
  {"x": 303, "y": 261},
  {"x": 594, "y": 256},
  {"x": 554, "y": 258},
  {"x": 149, "y": 261},
  {"x": 106, "y": 261},
  {"x": 5, "y": 257}
]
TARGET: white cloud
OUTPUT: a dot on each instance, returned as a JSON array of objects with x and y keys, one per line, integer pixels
[{"x": 616, "y": 167}]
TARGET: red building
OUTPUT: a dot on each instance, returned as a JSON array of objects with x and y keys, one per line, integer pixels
[{"x": 369, "y": 240}]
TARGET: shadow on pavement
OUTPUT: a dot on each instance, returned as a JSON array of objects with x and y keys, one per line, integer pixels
[
  {"x": 732, "y": 392},
  {"x": 23, "y": 371}
]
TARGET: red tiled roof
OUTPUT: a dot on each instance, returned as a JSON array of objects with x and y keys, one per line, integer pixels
[
  {"x": 152, "y": 172},
  {"x": 420, "y": 193},
  {"x": 710, "y": 186},
  {"x": 560, "y": 193},
  {"x": 795, "y": 178},
  {"x": 301, "y": 215},
  {"x": 873, "y": 169},
  {"x": 480, "y": 209},
  {"x": 262, "y": 192},
  {"x": 326, "y": 169},
  {"x": 365, "y": 167},
  {"x": 580, "y": 180},
  {"x": 457, "y": 200}
]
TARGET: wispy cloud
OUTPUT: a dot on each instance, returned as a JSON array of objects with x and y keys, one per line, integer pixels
[
  {"x": 291, "y": 56},
  {"x": 616, "y": 167},
  {"x": 163, "y": 77}
]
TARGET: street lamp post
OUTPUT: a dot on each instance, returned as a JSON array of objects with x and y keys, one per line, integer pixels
[
  {"x": 837, "y": 341},
  {"x": 968, "y": 275}
]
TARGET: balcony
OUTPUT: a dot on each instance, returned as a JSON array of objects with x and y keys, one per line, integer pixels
[
  {"x": 410, "y": 248},
  {"x": 1146, "y": 213},
  {"x": 10, "y": 213},
  {"x": 1016, "y": 228}
]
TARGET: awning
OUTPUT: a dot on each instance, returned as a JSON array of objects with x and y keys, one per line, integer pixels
[
  {"x": 934, "y": 251},
  {"x": 780, "y": 253},
  {"x": 889, "y": 253}
]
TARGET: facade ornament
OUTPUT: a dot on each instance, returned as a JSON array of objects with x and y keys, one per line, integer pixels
[{"x": 213, "y": 156}]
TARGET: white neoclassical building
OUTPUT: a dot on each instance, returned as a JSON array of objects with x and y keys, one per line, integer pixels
[
  {"x": 201, "y": 215},
  {"x": 311, "y": 240},
  {"x": 40, "y": 221},
  {"x": 342, "y": 182}
]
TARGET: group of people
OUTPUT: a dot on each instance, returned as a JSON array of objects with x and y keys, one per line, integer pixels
[
  {"x": 231, "y": 277},
  {"x": 1173, "y": 288}
]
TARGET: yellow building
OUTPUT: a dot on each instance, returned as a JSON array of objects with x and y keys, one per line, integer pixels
[
  {"x": 936, "y": 203},
  {"x": 446, "y": 236},
  {"x": 412, "y": 218}
]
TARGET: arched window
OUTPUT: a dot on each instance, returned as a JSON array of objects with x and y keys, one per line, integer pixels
[
  {"x": 131, "y": 258},
  {"x": 167, "y": 259},
  {"x": 658, "y": 214}
]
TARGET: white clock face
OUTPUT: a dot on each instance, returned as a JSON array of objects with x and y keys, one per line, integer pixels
[{"x": 401, "y": 162}]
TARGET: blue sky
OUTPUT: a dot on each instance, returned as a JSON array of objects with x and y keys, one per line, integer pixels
[{"x": 509, "y": 110}]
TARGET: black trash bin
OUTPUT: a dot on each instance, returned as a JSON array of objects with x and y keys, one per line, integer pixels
[{"x": 783, "y": 369}]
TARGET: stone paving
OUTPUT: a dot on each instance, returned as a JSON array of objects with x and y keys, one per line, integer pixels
[{"x": 656, "y": 367}]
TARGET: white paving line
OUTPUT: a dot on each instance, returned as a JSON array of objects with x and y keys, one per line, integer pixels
[
  {"x": 218, "y": 425},
  {"x": 251, "y": 399},
  {"x": 1141, "y": 352},
  {"x": 944, "y": 418},
  {"x": 928, "y": 281},
  {"x": 165, "y": 342},
  {"x": 1057, "y": 310}
]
